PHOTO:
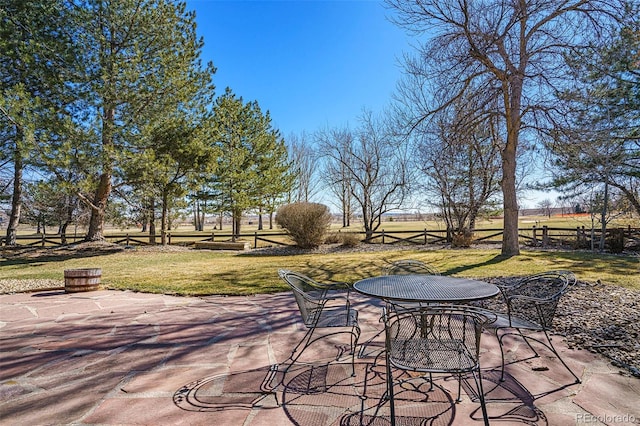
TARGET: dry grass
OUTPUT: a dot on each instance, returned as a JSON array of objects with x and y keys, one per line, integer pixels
[{"x": 199, "y": 272}]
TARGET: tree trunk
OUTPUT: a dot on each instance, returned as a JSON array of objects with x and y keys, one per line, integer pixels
[
  {"x": 260, "y": 219},
  {"x": 63, "y": 232},
  {"x": 99, "y": 205},
  {"x": 96, "y": 222},
  {"x": 199, "y": 215},
  {"x": 512, "y": 92},
  {"x": 69, "y": 206},
  {"x": 510, "y": 240},
  {"x": 165, "y": 218},
  {"x": 16, "y": 199},
  {"x": 473, "y": 215},
  {"x": 151, "y": 216},
  {"x": 367, "y": 221},
  {"x": 196, "y": 215},
  {"x": 236, "y": 217},
  {"x": 603, "y": 217}
]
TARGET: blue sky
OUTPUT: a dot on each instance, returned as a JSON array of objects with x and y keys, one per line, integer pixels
[{"x": 312, "y": 64}]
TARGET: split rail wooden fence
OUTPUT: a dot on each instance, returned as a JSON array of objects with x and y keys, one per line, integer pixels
[{"x": 578, "y": 238}]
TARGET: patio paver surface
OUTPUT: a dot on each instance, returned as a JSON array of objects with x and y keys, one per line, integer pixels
[{"x": 125, "y": 358}]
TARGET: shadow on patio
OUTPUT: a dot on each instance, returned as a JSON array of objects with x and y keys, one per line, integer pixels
[{"x": 326, "y": 394}]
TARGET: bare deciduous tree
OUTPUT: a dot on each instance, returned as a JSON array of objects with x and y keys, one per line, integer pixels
[
  {"x": 460, "y": 156},
  {"x": 305, "y": 165},
  {"x": 374, "y": 163},
  {"x": 514, "y": 47},
  {"x": 336, "y": 166}
]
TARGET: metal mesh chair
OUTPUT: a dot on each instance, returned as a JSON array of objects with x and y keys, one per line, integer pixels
[
  {"x": 318, "y": 312},
  {"x": 317, "y": 290},
  {"x": 402, "y": 267},
  {"x": 409, "y": 266},
  {"x": 531, "y": 307},
  {"x": 434, "y": 339}
]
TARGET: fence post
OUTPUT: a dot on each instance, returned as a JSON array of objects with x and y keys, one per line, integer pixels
[
  {"x": 577, "y": 236},
  {"x": 581, "y": 237},
  {"x": 169, "y": 237},
  {"x": 127, "y": 243},
  {"x": 425, "y": 236},
  {"x": 43, "y": 239},
  {"x": 213, "y": 236},
  {"x": 535, "y": 235},
  {"x": 545, "y": 236},
  {"x": 616, "y": 240},
  {"x": 383, "y": 236},
  {"x": 255, "y": 239}
]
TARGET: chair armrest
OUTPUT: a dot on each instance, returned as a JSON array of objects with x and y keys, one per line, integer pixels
[
  {"x": 335, "y": 290},
  {"x": 487, "y": 313},
  {"x": 509, "y": 289},
  {"x": 333, "y": 285},
  {"x": 531, "y": 299}
]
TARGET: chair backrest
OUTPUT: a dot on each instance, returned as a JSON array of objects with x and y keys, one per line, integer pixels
[
  {"x": 535, "y": 298},
  {"x": 409, "y": 267},
  {"x": 435, "y": 338},
  {"x": 572, "y": 280},
  {"x": 307, "y": 297}
]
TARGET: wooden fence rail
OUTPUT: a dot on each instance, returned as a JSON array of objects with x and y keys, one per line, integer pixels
[{"x": 580, "y": 237}]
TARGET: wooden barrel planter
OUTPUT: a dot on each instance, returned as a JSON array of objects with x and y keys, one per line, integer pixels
[{"x": 79, "y": 280}]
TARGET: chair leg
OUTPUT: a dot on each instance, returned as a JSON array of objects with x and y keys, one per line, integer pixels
[
  {"x": 526, "y": 339},
  {"x": 553, "y": 349},
  {"x": 355, "y": 335},
  {"x": 364, "y": 345},
  {"x": 483, "y": 404},
  {"x": 501, "y": 354},
  {"x": 501, "y": 337},
  {"x": 306, "y": 339},
  {"x": 392, "y": 409}
]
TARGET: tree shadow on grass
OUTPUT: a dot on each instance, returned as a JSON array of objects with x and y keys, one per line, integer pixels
[
  {"x": 463, "y": 268},
  {"x": 27, "y": 255}
]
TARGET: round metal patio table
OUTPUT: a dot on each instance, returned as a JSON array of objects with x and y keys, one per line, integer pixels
[{"x": 425, "y": 288}]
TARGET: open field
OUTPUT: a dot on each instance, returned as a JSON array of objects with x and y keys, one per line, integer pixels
[
  {"x": 562, "y": 230},
  {"x": 390, "y": 224},
  {"x": 198, "y": 272}
]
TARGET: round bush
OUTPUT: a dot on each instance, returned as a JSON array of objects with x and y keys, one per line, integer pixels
[{"x": 306, "y": 223}]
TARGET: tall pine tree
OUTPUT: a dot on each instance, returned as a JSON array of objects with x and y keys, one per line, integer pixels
[
  {"x": 142, "y": 57},
  {"x": 252, "y": 170}
]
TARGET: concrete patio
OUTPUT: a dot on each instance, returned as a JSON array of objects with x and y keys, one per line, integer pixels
[{"x": 110, "y": 357}]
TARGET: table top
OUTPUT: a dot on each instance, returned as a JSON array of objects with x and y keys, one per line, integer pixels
[{"x": 425, "y": 288}]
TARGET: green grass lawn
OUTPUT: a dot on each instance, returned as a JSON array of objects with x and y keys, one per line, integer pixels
[{"x": 202, "y": 272}]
